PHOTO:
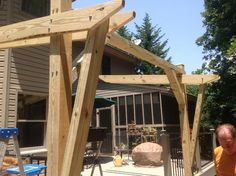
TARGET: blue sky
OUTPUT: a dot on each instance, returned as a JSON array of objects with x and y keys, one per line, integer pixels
[{"x": 180, "y": 21}]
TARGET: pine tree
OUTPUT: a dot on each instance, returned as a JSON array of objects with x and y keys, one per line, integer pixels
[
  {"x": 124, "y": 32},
  {"x": 151, "y": 40}
]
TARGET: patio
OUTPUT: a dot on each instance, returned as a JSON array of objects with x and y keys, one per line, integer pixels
[{"x": 126, "y": 169}]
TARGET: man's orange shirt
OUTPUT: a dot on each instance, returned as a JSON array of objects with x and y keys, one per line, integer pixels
[{"x": 225, "y": 164}]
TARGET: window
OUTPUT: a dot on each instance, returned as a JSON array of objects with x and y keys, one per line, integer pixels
[
  {"x": 31, "y": 120},
  {"x": 36, "y": 8}
]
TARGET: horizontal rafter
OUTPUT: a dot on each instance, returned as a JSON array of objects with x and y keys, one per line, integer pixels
[
  {"x": 116, "y": 21},
  {"x": 158, "y": 79}
]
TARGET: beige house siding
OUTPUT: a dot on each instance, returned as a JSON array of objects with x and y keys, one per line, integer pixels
[
  {"x": 28, "y": 69},
  {"x": 119, "y": 66},
  {"x": 29, "y": 74},
  {"x": 3, "y": 13},
  {"x": 2, "y": 52}
]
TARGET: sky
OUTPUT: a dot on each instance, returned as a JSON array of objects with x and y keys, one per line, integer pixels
[{"x": 179, "y": 20}]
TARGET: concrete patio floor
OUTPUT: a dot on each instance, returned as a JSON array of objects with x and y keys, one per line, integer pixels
[{"x": 127, "y": 169}]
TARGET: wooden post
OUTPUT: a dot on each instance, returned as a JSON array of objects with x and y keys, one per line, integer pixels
[
  {"x": 113, "y": 121},
  {"x": 179, "y": 91},
  {"x": 197, "y": 119},
  {"x": 185, "y": 135},
  {"x": 84, "y": 100},
  {"x": 60, "y": 106},
  {"x": 165, "y": 142}
]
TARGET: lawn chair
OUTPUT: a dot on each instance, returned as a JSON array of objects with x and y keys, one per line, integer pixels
[{"x": 92, "y": 153}]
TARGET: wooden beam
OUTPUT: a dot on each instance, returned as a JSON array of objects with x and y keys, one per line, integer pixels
[
  {"x": 185, "y": 136},
  {"x": 199, "y": 79},
  {"x": 69, "y": 21},
  {"x": 197, "y": 119},
  {"x": 60, "y": 88},
  {"x": 158, "y": 79},
  {"x": 116, "y": 21},
  {"x": 84, "y": 100},
  {"x": 175, "y": 86},
  {"x": 119, "y": 20},
  {"x": 119, "y": 42},
  {"x": 180, "y": 93}
]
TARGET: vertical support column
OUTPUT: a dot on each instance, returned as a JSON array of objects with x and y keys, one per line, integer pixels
[
  {"x": 165, "y": 142},
  {"x": 60, "y": 106},
  {"x": 179, "y": 90},
  {"x": 113, "y": 121},
  {"x": 185, "y": 135},
  {"x": 161, "y": 111}
]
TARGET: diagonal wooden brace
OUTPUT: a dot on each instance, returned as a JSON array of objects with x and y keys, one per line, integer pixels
[{"x": 82, "y": 111}]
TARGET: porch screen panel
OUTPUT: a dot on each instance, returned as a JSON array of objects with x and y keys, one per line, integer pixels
[
  {"x": 170, "y": 110},
  {"x": 117, "y": 122},
  {"x": 130, "y": 109},
  {"x": 138, "y": 109},
  {"x": 147, "y": 109},
  {"x": 156, "y": 108},
  {"x": 122, "y": 111}
]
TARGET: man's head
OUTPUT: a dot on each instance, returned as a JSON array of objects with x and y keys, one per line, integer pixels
[{"x": 226, "y": 135}]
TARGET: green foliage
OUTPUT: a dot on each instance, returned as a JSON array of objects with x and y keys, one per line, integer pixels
[
  {"x": 220, "y": 22},
  {"x": 151, "y": 40},
  {"x": 124, "y": 32},
  {"x": 193, "y": 89},
  {"x": 219, "y": 46},
  {"x": 231, "y": 52}
]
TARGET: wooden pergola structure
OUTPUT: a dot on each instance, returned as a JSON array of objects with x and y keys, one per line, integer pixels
[{"x": 68, "y": 129}]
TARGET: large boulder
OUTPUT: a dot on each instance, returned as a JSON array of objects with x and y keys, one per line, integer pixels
[{"x": 147, "y": 154}]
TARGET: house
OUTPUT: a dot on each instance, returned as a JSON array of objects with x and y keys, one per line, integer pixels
[{"x": 24, "y": 79}]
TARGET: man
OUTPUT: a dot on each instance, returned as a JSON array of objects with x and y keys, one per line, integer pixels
[{"x": 225, "y": 154}]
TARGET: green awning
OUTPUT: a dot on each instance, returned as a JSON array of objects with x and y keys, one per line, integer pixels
[{"x": 99, "y": 101}]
